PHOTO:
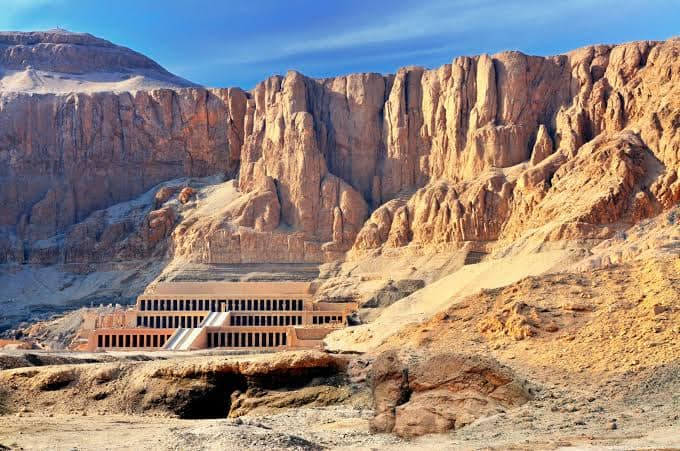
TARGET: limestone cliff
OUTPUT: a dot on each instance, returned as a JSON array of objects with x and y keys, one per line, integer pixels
[
  {"x": 63, "y": 157},
  {"x": 569, "y": 147},
  {"x": 483, "y": 149}
]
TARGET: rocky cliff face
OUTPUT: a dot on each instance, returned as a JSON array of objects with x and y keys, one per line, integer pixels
[
  {"x": 486, "y": 148},
  {"x": 67, "y": 156},
  {"x": 577, "y": 145}
]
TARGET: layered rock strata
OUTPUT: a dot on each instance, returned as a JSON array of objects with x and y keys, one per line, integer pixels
[{"x": 482, "y": 149}]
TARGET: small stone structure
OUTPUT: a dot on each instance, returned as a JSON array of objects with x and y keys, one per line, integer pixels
[{"x": 200, "y": 315}]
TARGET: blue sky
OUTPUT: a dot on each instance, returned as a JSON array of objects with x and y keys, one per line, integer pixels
[{"x": 230, "y": 43}]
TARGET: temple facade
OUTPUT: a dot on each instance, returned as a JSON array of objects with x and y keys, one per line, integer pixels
[{"x": 229, "y": 315}]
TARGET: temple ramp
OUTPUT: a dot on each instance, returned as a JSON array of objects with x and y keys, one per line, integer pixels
[
  {"x": 215, "y": 319},
  {"x": 176, "y": 338},
  {"x": 183, "y": 339}
]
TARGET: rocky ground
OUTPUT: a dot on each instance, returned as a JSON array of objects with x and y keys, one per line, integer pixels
[
  {"x": 559, "y": 417},
  {"x": 594, "y": 359},
  {"x": 508, "y": 223}
]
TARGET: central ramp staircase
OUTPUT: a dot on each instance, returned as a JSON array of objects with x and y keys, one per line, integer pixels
[
  {"x": 215, "y": 319},
  {"x": 473, "y": 257},
  {"x": 184, "y": 339}
]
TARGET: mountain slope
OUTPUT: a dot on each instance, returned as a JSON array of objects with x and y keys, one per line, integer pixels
[
  {"x": 497, "y": 154},
  {"x": 58, "y": 61}
]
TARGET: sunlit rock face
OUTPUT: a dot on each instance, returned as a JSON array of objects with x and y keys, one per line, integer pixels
[
  {"x": 486, "y": 148},
  {"x": 67, "y": 156},
  {"x": 579, "y": 145}
]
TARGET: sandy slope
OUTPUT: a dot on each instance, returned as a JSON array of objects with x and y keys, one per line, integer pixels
[
  {"x": 38, "y": 290},
  {"x": 600, "y": 347},
  {"x": 439, "y": 295}
]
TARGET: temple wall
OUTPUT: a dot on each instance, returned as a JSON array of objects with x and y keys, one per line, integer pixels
[{"x": 222, "y": 315}]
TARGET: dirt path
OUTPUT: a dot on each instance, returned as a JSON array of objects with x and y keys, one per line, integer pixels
[{"x": 534, "y": 426}]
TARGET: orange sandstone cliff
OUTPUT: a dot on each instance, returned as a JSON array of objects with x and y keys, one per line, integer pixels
[{"x": 486, "y": 148}]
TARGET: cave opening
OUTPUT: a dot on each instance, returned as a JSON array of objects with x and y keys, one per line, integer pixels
[
  {"x": 210, "y": 396},
  {"x": 210, "y": 399}
]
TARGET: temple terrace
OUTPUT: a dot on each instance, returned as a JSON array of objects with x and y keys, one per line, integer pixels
[{"x": 231, "y": 315}]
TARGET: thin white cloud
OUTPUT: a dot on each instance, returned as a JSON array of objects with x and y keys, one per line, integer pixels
[
  {"x": 409, "y": 31},
  {"x": 439, "y": 17},
  {"x": 426, "y": 19}
]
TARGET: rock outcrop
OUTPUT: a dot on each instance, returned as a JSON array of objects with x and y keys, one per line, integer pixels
[
  {"x": 59, "y": 50},
  {"x": 525, "y": 147},
  {"x": 606, "y": 183},
  {"x": 188, "y": 388},
  {"x": 483, "y": 149},
  {"x": 518, "y": 321},
  {"x": 439, "y": 393}
]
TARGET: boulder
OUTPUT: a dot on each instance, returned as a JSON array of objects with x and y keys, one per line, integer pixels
[
  {"x": 438, "y": 393},
  {"x": 163, "y": 195},
  {"x": 186, "y": 194},
  {"x": 389, "y": 386}
]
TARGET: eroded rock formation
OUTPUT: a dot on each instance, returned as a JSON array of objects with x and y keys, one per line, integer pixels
[
  {"x": 521, "y": 162},
  {"x": 193, "y": 388},
  {"x": 62, "y": 51},
  {"x": 438, "y": 393},
  {"x": 485, "y": 148},
  {"x": 65, "y": 157}
]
